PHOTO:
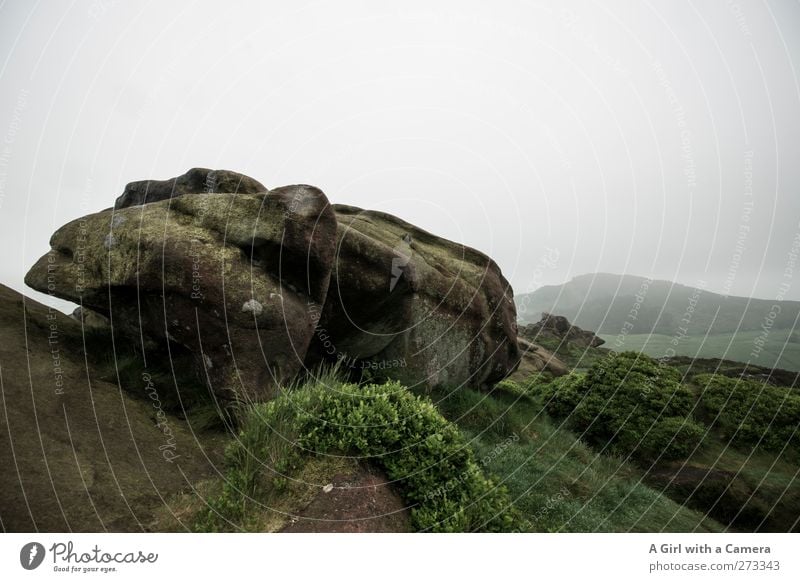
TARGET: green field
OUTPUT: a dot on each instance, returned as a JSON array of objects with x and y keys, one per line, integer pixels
[{"x": 780, "y": 350}]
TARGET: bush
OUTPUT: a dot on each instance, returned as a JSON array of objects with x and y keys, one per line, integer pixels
[
  {"x": 673, "y": 438},
  {"x": 511, "y": 387},
  {"x": 748, "y": 412},
  {"x": 629, "y": 403},
  {"x": 563, "y": 394},
  {"x": 425, "y": 456}
]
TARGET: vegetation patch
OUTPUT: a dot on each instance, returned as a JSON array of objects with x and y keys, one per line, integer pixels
[
  {"x": 630, "y": 404},
  {"x": 425, "y": 456},
  {"x": 749, "y": 413},
  {"x": 557, "y": 482}
]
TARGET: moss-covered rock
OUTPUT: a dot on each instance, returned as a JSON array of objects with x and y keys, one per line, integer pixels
[
  {"x": 195, "y": 181},
  {"x": 409, "y": 305},
  {"x": 240, "y": 276},
  {"x": 229, "y": 276}
]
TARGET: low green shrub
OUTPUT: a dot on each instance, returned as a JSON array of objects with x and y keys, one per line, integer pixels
[
  {"x": 424, "y": 455},
  {"x": 748, "y": 412},
  {"x": 511, "y": 387},
  {"x": 628, "y": 403},
  {"x": 564, "y": 394},
  {"x": 674, "y": 437}
]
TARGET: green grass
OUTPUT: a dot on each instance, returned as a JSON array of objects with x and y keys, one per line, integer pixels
[
  {"x": 740, "y": 462},
  {"x": 556, "y": 482},
  {"x": 764, "y": 493},
  {"x": 425, "y": 456},
  {"x": 530, "y": 472},
  {"x": 781, "y": 348}
]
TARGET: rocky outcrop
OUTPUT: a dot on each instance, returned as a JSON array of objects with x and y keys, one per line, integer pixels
[
  {"x": 79, "y": 454},
  {"x": 195, "y": 181},
  {"x": 412, "y": 306},
  {"x": 556, "y": 327},
  {"x": 535, "y": 359},
  {"x": 240, "y": 276},
  {"x": 230, "y": 277}
]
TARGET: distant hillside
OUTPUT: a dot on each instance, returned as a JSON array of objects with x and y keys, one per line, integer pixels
[
  {"x": 604, "y": 303},
  {"x": 661, "y": 318}
]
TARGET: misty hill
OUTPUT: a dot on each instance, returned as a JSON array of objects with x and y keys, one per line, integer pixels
[{"x": 604, "y": 303}]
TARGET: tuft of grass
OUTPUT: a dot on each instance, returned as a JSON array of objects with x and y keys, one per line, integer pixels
[{"x": 425, "y": 456}]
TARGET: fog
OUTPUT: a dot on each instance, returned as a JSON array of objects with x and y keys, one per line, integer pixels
[{"x": 658, "y": 138}]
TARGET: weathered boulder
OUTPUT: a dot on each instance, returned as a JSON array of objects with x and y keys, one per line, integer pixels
[
  {"x": 537, "y": 359},
  {"x": 558, "y": 328},
  {"x": 229, "y": 276},
  {"x": 89, "y": 318},
  {"x": 240, "y": 276},
  {"x": 195, "y": 181},
  {"x": 412, "y": 306}
]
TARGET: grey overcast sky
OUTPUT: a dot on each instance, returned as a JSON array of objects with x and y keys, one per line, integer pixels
[{"x": 655, "y": 138}]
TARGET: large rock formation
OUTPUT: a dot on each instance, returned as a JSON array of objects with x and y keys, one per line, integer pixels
[
  {"x": 240, "y": 276},
  {"x": 415, "y": 307},
  {"x": 228, "y": 276}
]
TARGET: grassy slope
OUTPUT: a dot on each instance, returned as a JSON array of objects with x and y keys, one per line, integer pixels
[
  {"x": 557, "y": 482},
  {"x": 768, "y": 479},
  {"x": 778, "y": 350}
]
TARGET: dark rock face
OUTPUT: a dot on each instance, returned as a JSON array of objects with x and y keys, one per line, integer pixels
[
  {"x": 412, "y": 306},
  {"x": 556, "y": 327},
  {"x": 229, "y": 277},
  {"x": 82, "y": 455},
  {"x": 195, "y": 181}
]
